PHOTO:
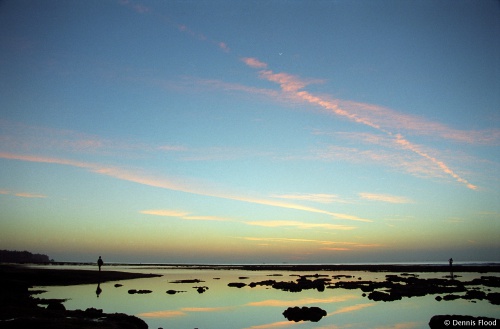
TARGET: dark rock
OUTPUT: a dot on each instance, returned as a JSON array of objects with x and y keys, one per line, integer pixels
[
  {"x": 187, "y": 281},
  {"x": 236, "y": 284},
  {"x": 382, "y": 296},
  {"x": 474, "y": 294},
  {"x": 297, "y": 314},
  {"x": 494, "y": 298},
  {"x": 451, "y": 297},
  {"x": 134, "y": 291},
  {"x": 118, "y": 285},
  {"x": 55, "y": 306},
  {"x": 262, "y": 283},
  {"x": 93, "y": 312},
  {"x": 438, "y": 298},
  {"x": 201, "y": 290},
  {"x": 173, "y": 292}
]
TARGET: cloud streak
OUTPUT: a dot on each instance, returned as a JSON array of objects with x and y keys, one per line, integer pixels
[
  {"x": 171, "y": 184},
  {"x": 325, "y": 244},
  {"x": 319, "y": 197},
  {"x": 183, "y": 215},
  {"x": 384, "y": 198},
  {"x": 24, "y": 194},
  {"x": 292, "y": 86},
  {"x": 301, "y": 225}
]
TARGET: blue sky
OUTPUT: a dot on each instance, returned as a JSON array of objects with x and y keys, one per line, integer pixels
[{"x": 249, "y": 132}]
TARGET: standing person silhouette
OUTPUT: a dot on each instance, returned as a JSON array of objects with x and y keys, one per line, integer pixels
[{"x": 100, "y": 263}]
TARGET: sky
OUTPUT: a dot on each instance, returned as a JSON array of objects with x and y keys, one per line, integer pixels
[{"x": 250, "y": 131}]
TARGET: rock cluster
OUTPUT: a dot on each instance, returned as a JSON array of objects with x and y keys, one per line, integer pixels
[
  {"x": 297, "y": 314},
  {"x": 134, "y": 291}
]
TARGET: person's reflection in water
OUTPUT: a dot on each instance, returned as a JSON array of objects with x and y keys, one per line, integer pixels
[{"x": 98, "y": 290}]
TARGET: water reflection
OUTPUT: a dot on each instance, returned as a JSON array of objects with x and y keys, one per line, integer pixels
[
  {"x": 98, "y": 290},
  {"x": 262, "y": 307}
]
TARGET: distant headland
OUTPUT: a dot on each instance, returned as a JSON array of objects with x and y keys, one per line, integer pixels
[{"x": 12, "y": 256}]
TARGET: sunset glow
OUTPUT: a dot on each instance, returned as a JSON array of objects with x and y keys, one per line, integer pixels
[{"x": 250, "y": 132}]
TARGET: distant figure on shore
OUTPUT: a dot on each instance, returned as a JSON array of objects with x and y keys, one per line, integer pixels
[
  {"x": 100, "y": 263},
  {"x": 451, "y": 262}
]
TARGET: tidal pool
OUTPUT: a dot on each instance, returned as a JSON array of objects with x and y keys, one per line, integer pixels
[{"x": 221, "y": 306}]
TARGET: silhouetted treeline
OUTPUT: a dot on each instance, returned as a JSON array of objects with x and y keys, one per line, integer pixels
[{"x": 8, "y": 256}]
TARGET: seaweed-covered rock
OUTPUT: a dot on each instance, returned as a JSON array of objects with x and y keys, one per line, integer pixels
[{"x": 297, "y": 314}]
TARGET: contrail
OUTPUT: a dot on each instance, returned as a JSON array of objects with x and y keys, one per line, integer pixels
[{"x": 292, "y": 85}]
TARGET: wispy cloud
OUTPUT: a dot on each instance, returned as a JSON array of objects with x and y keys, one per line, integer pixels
[
  {"x": 254, "y": 62},
  {"x": 293, "y": 85},
  {"x": 301, "y": 225},
  {"x": 318, "y": 197},
  {"x": 273, "y": 223},
  {"x": 170, "y": 23},
  {"x": 23, "y": 194},
  {"x": 183, "y": 215},
  {"x": 18, "y": 136},
  {"x": 171, "y": 184},
  {"x": 384, "y": 198},
  {"x": 30, "y": 195},
  {"x": 324, "y": 244}
]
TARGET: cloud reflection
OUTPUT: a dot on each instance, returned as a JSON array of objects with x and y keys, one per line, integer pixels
[
  {"x": 304, "y": 301},
  {"x": 162, "y": 314}
]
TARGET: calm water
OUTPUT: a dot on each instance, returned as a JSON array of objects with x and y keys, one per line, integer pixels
[{"x": 260, "y": 307}]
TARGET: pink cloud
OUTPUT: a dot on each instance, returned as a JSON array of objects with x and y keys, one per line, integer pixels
[
  {"x": 384, "y": 198},
  {"x": 254, "y": 62},
  {"x": 30, "y": 195},
  {"x": 223, "y": 46},
  {"x": 289, "y": 83},
  {"x": 24, "y": 194},
  {"x": 292, "y": 86},
  {"x": 444, "y": 167}
]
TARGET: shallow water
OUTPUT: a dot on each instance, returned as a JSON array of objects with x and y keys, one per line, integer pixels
[{"x": 261, "y": 307}]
